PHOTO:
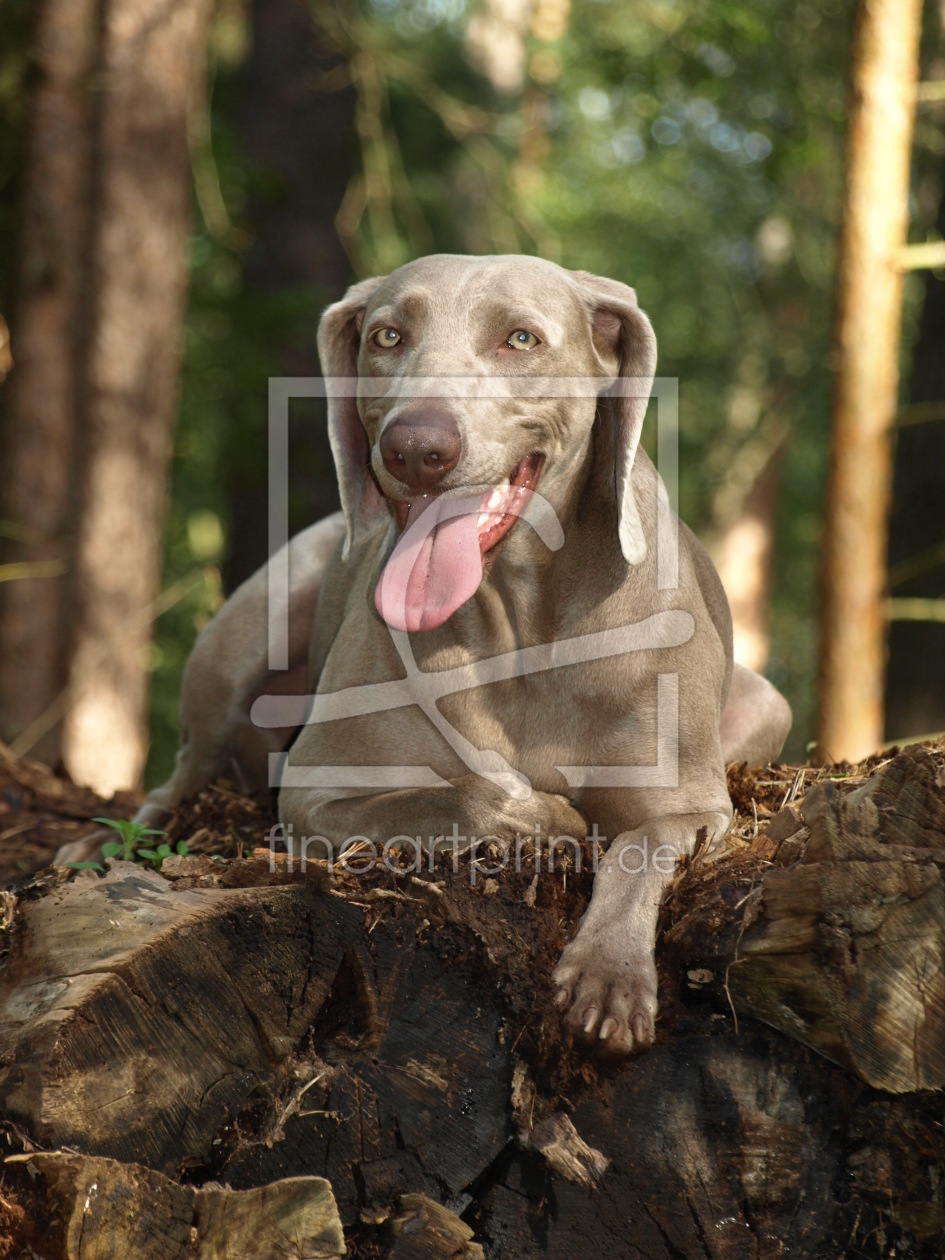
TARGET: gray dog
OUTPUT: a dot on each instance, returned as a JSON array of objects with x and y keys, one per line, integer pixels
[{"x": 502, "y": 531}]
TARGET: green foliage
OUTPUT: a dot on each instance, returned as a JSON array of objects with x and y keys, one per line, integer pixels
[
  {"x": 127, "y": 849},
  {"x": 692, "y": 149}
]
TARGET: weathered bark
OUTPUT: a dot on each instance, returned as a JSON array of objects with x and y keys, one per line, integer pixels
[
  {"x": 426, "y": 1230},
  {"x": 91, "y": 401},
  {"x": 39, "y": 418},
  {"x": 396, "y": 1035},
  {"x": 147, "y": 1016},
  {"x": 841, "y": 943},
  {"x": 866, "y": 355},
  {"x": 151, "y": 57}
]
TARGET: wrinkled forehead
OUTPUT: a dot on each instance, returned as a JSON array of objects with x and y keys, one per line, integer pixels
[{"x": 455, "y": 289}]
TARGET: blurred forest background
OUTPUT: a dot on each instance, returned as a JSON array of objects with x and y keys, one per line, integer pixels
[{"x": 691, "y": 149}]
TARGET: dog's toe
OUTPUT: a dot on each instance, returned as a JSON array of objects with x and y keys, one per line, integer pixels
[{"x": 611, "y": 1003}]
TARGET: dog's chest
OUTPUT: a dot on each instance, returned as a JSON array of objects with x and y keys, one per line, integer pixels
[{"x": 538, "y": 702}]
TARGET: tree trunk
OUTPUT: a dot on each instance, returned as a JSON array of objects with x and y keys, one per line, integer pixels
[
  {"x": 866, "y": 354},
  {"x": 39, "y": 421},
  {"x": 151, "y": 57},
  {"x": 395, "y": 1033},
  {"x": 304, "y": 144},
  {"x": 741, "y": 550},
  {"x": 89, "y": 417}
]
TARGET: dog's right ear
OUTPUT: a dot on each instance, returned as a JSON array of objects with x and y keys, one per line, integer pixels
[{"x": 339, "y": 338}]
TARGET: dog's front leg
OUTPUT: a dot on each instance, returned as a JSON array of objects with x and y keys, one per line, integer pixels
[
  {"x": 470, "y": 807},
  {"x": 607, "y": 974}
]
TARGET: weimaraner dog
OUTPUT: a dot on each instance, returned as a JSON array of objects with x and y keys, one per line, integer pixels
[{"x": 498, "y": 524}]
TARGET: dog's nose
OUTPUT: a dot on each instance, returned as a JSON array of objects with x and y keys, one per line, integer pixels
[{"x": 420, "y": 448}]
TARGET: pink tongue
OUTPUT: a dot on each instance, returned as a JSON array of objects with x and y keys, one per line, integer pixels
[{"x": 435, "y": 567}]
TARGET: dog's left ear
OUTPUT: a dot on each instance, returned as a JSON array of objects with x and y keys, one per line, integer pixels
[
  {"x": 626, "y": 349},
  {"x": 339, "y": 338}
]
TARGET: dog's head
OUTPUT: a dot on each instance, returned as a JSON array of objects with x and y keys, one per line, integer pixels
[{"x": 447, "y": 419}]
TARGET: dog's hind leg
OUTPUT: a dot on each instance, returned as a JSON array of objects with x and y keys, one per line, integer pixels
[
  {"x": 755, "y": 721},
  {"x": 227, "y": 670}
]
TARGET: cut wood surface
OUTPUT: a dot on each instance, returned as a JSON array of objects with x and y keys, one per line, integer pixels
[
  {"x": 101, "y": 1208},
  {"x": 137, "y": 1018},
  {"x": 238, "y": 1024},
  {"x": 841, "y": 942}
]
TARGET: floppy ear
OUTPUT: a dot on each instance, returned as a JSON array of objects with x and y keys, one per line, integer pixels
[
  {"x": 339, "y": 337},
  {"x": 626, "y": 348}
]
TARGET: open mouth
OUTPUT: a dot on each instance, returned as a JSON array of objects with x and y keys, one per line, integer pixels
[
  {"x": 500, "y": 507},
  {"x": 437, "y": 561}
]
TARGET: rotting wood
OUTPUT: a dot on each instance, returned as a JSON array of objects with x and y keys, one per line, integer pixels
[
  {"x": 843, "y": 949},
  {"x": 433, "y": 1062},
  {"x": 133, "y": 1019},
  {"x": 426, "y": 1230},
  {"x": 108, "y": 1209}
]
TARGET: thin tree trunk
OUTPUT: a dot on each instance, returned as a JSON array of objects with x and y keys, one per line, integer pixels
[
  {"x": 742, "y": 549},
  {"x": 151, "y": 56},
  {"x": 36, "y": 482},
  {"x": 866, "y": 350}
]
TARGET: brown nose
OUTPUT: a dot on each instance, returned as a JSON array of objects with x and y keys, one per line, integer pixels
[{"x": 421, "y": 447}]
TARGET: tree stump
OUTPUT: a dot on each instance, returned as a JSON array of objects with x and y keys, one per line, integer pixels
[{"x": 392, "y": 1035}]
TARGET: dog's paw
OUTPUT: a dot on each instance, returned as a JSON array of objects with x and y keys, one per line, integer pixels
[
  {"x": 609, "y": 993},
  {"x": 88, "y": 849}
]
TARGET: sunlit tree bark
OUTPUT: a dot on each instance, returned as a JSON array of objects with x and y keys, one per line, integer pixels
[
  {"x": 37, "y": 446},
  {"x": 151, "y": 56},
  {"x": 866, "y": 351},
  {"x": 89, "y": 413},
  {"x": 742, "y": 548}
]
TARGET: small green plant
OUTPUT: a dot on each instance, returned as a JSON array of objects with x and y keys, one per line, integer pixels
[
  {"x": 131, "y": 833},
  {"x": 157, "y": 856}
]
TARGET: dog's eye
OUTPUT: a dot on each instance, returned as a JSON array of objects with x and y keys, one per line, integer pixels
[
  {"x": 386, "y": 337},
  {"x": 521, "y": 340}
]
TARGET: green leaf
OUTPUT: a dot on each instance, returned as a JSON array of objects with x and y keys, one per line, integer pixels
[
  {"x": 181, "y": 848},
  {"x": 150, "y": 854},
  {"x": 112, "y": 849},
  {"x": 87, "y": 866}
]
